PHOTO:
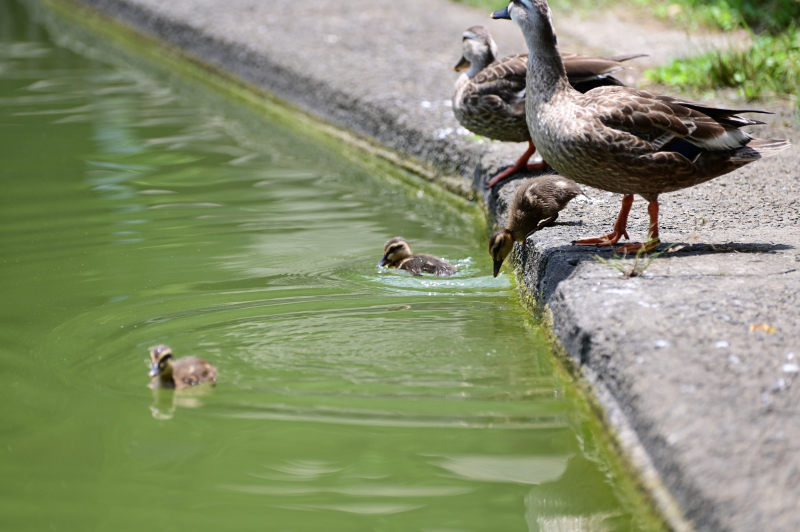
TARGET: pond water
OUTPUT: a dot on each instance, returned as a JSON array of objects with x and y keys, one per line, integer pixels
[{"x": 139, "y": 209}]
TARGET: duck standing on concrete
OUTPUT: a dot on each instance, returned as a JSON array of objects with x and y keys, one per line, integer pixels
[
  {"x": 536, "y": 204},
  {"x": 167, "y": 372},
  {"x": 397, "y": 254},
  {"x": 489, "y": 97},
  {"x": 622, "y": 139}
]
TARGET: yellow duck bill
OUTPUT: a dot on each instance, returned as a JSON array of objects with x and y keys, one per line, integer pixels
[{"x": 462, "y": 65}]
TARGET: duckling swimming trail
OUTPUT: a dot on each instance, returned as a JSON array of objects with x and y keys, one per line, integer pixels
[{"x": 139, "y": 209}]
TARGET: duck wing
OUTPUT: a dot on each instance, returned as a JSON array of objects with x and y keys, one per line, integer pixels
[
  {"x": 422, "y": 263},
  {"x": 588, "y": 72},
  {"x": 501, "y": 86},
  {"x": 665, "y": 122}
]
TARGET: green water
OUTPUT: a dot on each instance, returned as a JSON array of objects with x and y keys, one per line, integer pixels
[{"x": 138, "y": 209}]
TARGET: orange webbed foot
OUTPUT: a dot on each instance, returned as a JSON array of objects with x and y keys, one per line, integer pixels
[
  {"x": 634, "y": 249},
  {"x": 606, "y": 240}
]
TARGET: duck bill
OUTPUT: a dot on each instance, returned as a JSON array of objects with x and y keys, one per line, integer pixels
[
  {"x": 384, "y": 261},
  {"x": 497, "y": 265},
  {"x": 501, "y": 14},
  {"x": 154, "y": 371},
  {"x": 463, "y": 64}
]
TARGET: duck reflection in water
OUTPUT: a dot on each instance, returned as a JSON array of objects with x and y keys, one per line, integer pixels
[{"x": 177, "y": 382}]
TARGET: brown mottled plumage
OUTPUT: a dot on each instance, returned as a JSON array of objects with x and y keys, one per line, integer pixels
[
  {"x": 622, "y": 139},
  {"x": 168, "y": 372},
  {"x": 397, "y": 254},
  {"x": 536, "y": 204},
  {"x": 489, "y": 97}
]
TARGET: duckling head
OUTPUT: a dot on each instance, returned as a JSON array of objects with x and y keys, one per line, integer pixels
[
  {"x": 160, "y": 362},
  {"x": 395, "y": 251},
  {"x": 479, "y": 50},
  {"x": 500, "y": 245}
]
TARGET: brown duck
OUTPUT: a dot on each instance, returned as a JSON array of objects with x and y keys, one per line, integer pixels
[
  {"x": 168, "y": 372},
  {"x": 622, "y": 139},
  {"x": 489, "y": 97},
  {"x": 397, "y": 254},
  {"x": 536, "y": 204}
]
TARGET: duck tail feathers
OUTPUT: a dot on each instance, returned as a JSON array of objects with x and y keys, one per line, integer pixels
[
  {"x": 760, "y": 149},
  {"x": 626, "y": 57}
]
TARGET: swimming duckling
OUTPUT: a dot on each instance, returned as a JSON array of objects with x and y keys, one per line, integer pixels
[
  {"x": 397, "y": 254},
  {"x": 167, "y": 372},
  {"x": 535, "y": 205}
]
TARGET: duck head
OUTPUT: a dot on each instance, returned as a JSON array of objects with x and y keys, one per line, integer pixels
[
  {"x": 394, "y": 252},
  {"x": 500, "y": 245},
  {"x": 534, "y": 19},
  {"x": 478, "y": 49},
  {"x": 160, "y": 362}
]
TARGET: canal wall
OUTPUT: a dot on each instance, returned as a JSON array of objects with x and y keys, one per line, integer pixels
[{"x": 694, "y": 363}]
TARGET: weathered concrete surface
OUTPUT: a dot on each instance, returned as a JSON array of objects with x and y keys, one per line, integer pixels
[{"x": 670, "y": 354}]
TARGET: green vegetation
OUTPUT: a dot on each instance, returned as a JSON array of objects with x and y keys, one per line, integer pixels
[
  {"x": 770, "y": 16},
  {"x": 770, "y": 66}
]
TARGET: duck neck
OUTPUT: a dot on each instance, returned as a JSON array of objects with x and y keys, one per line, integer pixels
[
  {"x": 547, "y": 75},
  {"x": 479, "y": 62}
]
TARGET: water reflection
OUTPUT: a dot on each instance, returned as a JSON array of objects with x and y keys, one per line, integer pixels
[{"x": 516, "y": 469}]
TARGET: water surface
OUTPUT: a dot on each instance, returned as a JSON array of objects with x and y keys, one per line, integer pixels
[{"x": 139, "y": 209}]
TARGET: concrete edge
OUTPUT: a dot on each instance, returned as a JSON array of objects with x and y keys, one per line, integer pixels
[{"x": 623, "y": 437}]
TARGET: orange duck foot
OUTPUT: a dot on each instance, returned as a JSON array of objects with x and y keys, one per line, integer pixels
[
  {"x": 601, "y": 241},
  {"x": 634, "y": 249},
  {"x": 620, "y": 227},
  {"x": 521, "y": 164}
]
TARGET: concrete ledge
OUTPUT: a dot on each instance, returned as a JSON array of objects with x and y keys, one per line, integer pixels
[{"x": 700, "y": 403}]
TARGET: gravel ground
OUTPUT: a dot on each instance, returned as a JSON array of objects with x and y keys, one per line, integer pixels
[{"x": 703, "y": 405}]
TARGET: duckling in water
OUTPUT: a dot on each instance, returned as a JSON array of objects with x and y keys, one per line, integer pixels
[
  {"x": 535, "y": 205},
  {"x": 167, "y": 372},
  {"x": 397, "y": 254}
]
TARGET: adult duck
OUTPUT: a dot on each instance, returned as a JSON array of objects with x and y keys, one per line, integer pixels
[
  {"x": 621, "y": 139},
  {"x": 489, "y": 97}
]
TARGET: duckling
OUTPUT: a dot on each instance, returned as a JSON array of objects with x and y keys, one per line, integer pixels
[
  {"x": 489, "y": 98},
  {"x": 397, "y": 254},
  {"x": 535, "y": 205},
  {"x": 167, "y": 372}
]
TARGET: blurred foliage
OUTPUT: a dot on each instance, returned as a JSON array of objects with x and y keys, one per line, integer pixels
[
  {"x": 761, "y": 16},
  {"x": 770, "y": 66}
]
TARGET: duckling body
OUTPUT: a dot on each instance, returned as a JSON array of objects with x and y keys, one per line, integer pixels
[
  {"x": 168, "y": 372},
  {"x": 622, "y": 139},
  {"x": 535, "y": 205},
  {"x": 397, "y": 254},
  {"x": 489, "y": 97}
]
